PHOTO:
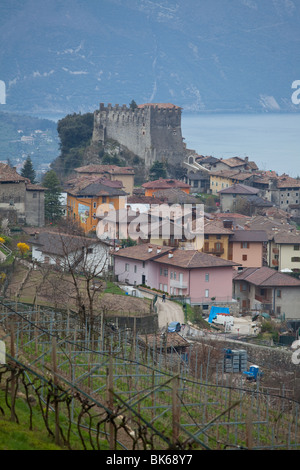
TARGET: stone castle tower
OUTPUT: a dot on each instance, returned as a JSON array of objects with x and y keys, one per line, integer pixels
[{"x": 151, "y": 131}]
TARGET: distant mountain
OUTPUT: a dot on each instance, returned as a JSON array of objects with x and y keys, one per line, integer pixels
[{"x": 64, "y": 56}]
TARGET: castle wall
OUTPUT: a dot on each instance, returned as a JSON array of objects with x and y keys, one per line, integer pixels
[{"x": 151, "y": 132}]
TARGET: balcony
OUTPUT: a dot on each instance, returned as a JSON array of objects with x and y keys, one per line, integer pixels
[
  {"x": 263, "y": 300},
  {"x": 178, "y": 284},
  {"x": 214, "y": 251}
]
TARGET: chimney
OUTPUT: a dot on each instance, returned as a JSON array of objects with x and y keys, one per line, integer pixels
[
  {"x": 170, "y": 255},
  {"x": 149, "y": 249},
  {"x": 117, "y": 248},
  {"x": 158, "y": 249}
]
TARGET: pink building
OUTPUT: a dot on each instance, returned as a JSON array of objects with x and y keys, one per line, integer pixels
[
  {"x": 196, "y": 275},
  {"x": 248, "y": 248}
]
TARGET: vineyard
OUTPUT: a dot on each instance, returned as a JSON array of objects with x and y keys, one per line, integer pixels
[{"x": 111, "y": 389}]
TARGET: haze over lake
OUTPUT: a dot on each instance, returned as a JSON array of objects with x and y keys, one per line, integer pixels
[{"x": 271, "y": 140}]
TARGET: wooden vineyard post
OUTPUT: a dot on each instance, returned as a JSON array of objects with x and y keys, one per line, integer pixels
[
  {"x": 175, "y": 410},
  {"x": 55, "y": 381},
  {"x": 110, "y": 402},
  {"x": 13, "y": 379}
]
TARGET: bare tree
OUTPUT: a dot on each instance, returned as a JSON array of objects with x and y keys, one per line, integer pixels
[{"x": 73, "y": 271}]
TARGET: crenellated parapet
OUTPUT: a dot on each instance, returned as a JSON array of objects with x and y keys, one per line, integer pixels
[{"x": 151, "y": 131}]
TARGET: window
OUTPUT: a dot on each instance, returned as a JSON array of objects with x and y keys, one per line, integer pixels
[
  {"x": 144, "y": 264},
  {"x": 171, "y": 275},
  {"x": 104, "y": 198},
  {"x": 278, "y": 293},
  {"x": 160, "y": 271},
  {"x": 278, "y": 310},
  {"x": 89, "y": 251},
  {"x": 94, "y": 205},
  {"x": 295, "y": 259},
  {"x": 135, "y": 269},
  {"x": 206, "y": 293},
  {"x": 126, "y": 267},
  {"x": 245, "y": 257},
  {"x": 296, "y": 247},
  {"x": 207, "y": 277},
  {"x": 34, "y": 195},
  {"x": 245, "y": 245},
  {"x": 175, "y": 275},
  {"x": 165, "y": 272}
]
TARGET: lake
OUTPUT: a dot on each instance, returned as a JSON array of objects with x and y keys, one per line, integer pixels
[{"x": 272, "y": 141}]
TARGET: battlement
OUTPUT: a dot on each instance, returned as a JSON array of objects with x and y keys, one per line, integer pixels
[{"x": 152, "y": 130}]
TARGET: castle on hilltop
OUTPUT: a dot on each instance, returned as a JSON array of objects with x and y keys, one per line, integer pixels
[{"x": 151, "y": 131}]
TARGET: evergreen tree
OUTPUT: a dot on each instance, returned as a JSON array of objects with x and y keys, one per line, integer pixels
[
  {"x": 28, "y": 170},
  {"x": 158, "y": 170},
  {"x": 133, "y": 105},
  {"x": 53, "y": 205}
]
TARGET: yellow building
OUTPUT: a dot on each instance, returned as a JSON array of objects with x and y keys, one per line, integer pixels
[
  {"x": 86, "y": 196},
  {"x": 216, "y": 239},
  {"x": 224, "y": 179}
]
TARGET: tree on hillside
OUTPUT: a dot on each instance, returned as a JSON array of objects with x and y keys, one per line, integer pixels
[
  {"x": 157, "y": 170},
  {"x": 53, "y": 205},
  {"x": 75, "y": 133},
  {"x": 28, "y": 170}
]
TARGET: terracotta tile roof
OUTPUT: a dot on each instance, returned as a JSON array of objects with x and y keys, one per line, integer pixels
[
  {"x": 93, "y": 185},
  {"x": 266, "y": 277},
  {"x": 285, "y": 181},
  {"x": 175, "y": 196},
  {"x": 9, "y": 174},
  {"x": 216, "y": 227},
  {"x": 165, "y": 184},
  {"x": 102, "y": 169},
  {"x": 239, "y": 189},
  {"x": 234, "y": 161},
  {"x": 142, "y": 252},
  {"x": 287, "y": 238},
  {"x": 192, "y": 259}
]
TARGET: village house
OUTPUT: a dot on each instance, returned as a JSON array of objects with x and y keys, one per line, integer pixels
[
  {"x": 237, "y": 196},
  {"x": 20, "y": 201},
  {"x": 200, "y": 277},
  {"x": 87, "y": 196},
  {"x": 266, "y": 290},
  {"x": 110, "y": 172},
  {"x": 70, "y": 252},
  {"x": 248, "y": 247},
  {"x": 235, "y": 163},
  {"x": 223, "y": 179},
  {"x": 216, "y": 238},
  {"x": 285, "y": 252}
]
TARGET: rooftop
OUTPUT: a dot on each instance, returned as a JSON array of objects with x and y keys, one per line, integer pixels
[
  {"x": 249, "y": 236},
  {"x": 165, "y": 184},
  {"x": 102, "y": 169},
  {"x": 266, "y": 277},
  {"x": 239, "y": 189},
  {"x": 192, "y": 259},
  {"x": 60, "y": 244},
  {"x": 10, "y": 175}
]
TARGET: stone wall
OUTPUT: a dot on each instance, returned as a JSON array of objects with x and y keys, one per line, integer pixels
[{"x": 151, "y": 132}]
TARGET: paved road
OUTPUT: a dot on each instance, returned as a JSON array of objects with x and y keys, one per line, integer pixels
[{"x": 168, "y": 311}]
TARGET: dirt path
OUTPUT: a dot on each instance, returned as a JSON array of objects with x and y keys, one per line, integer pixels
[{"x": 169, "y": 311}]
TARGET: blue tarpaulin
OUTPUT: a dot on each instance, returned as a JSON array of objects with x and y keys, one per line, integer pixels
[{"x": 214, "y": 311}]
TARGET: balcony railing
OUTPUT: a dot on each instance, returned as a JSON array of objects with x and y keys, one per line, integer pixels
[{"x": 263, "y": 300}]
